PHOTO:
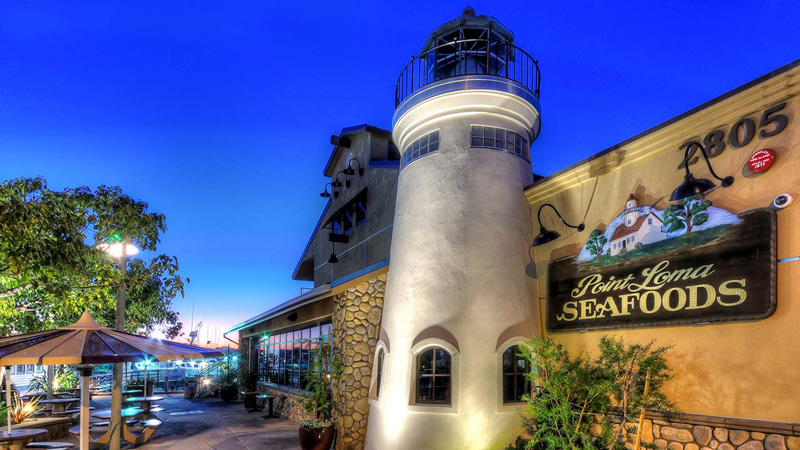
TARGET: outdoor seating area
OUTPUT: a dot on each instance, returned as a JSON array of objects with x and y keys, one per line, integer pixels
[{"x": 181, "y": 424}]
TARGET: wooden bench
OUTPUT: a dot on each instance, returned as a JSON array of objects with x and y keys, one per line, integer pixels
[{"x": 51, "y": 445}]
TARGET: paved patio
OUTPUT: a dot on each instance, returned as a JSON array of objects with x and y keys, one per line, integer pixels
[{"x": 210, "y": 423}]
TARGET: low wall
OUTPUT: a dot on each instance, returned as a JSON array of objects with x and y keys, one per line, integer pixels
[
  {"x": 57, "y": 427},
  {"x": 287, "y": 402},
  {"x": 702, "y": 432}
]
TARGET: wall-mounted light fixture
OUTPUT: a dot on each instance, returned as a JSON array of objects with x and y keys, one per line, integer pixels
[
  {"x": 325, "y": 193},
  {"x": 546, "y": 235},
  {"x": 691, "y": 186},
  {"x": 350, "y": 171},
  {"x": 337, "y": 183}
]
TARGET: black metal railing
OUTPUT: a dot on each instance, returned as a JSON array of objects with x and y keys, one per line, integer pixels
[{"x": 468, "y": 57}]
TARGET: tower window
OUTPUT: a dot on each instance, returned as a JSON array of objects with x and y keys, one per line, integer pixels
[
  {"x": 499, "y": 139},
  {"x": 379, "y": 373},
  {"x": 515, "y": 382},
  {"x": 433, "y": 376},
  {"x": 421, "y": 147}
]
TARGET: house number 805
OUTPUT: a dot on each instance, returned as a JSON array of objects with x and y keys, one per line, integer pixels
[{"x": 741, "y": 133}]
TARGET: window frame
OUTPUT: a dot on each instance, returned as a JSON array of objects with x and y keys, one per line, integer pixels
[
  {"x": 379, "y": 370},
  {"x": 434, "y": 350},
  {"x": 415, "y": 150},
  {"x": 413, "y": 360},
  {"x": 277, "y": 351},
  {"x": 520, "y": 146},
  {"x": 514, "y": 373},
  {"x": 500, "y": 404}
]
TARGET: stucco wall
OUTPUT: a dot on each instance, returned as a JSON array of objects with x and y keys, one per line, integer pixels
[
  {"x": 457, "y": 280},
  {"x": 741, "y": 369}
]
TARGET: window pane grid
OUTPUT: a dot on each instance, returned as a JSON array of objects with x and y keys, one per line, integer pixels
[
  {"x": 284, "y": 359},
  {"x": 421, "y": 147},
  {"x": 515, "y": 382},
  {"x": 433, "y": 376},
  {"x": 499, "y": 139}
]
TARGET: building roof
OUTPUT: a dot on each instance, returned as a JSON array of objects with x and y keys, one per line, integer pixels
[
  {"x": 467, "y": 19},
  {"x": 296, "y": 302},
  {"x": 623, "y": 230},
  {"x": 668, "y": 122},
  {"x": 351, "y": 130}
]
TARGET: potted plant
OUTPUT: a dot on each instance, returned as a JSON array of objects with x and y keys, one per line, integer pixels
[
  {"x": 248, "y": 382},
  {"x": 325, "y": 369},
  {"x": 228, "y": 387}
]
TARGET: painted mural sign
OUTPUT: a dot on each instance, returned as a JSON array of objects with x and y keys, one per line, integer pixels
[{"x": 690, "y": 263}]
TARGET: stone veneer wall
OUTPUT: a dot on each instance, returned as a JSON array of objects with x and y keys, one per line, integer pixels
[
  {"x": 700, "y": 432},
  {"x": 356, "y": 327},
  {"x": 286, "y": 404}
]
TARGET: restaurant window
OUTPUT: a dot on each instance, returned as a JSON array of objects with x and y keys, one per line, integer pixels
[
  {"x": 434, "y": 376},
  {"x": 515, "y": 382},
  {"x": 421, "y": 147},
  {"x": 499, "y": 139},
  {"x": 284, "y": 358}
]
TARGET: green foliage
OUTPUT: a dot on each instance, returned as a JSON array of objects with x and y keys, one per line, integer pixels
[
  {"x": 595, "y": 243},
  {"x": 66, "y": 379},
  {"x": 325, "y": 369},
  {"x": 38, "y": 383},
  {"x": 51, "y": 268},
  {"x": 689, "y": 212},
  {"x": 585, "y": 403}
]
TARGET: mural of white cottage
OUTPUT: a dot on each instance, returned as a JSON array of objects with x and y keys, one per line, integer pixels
[{"x": 640, "y": 225}]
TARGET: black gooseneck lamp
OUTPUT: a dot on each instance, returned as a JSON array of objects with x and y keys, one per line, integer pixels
[
  {"x": 691, "y": 186},
  {"x": 350, "y": 171},
  {"x": 337, "y": 183},
  {"x": 325, "y": 193},
  {"x": 546, "y": 235}
]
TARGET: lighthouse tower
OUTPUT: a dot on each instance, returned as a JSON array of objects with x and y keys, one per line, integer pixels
[{"x": 457, "y": 298}]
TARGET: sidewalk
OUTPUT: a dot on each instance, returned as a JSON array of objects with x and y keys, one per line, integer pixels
[{"x": 210, "y": 423}]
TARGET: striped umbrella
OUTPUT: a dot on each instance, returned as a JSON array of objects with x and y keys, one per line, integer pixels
[{"x": 84, "y": 343}]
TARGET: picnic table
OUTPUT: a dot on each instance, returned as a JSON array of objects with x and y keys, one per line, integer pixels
[
  {"x": 139, "y": 436},
  {"x": 129, "y": 393},
  {"x": 19, "y": 437},
  {"x": 145, "y": 403},
  {"x": 60, "y": 405}
]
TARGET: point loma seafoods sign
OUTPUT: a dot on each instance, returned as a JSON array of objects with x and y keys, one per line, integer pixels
[{"x": 689, "y": 264}]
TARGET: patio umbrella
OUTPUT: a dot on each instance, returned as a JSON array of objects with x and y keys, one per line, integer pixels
[{"x": 84, "y": 343}]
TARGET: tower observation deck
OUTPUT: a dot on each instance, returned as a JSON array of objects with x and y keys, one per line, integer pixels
[{"x": 468, "y": 45}]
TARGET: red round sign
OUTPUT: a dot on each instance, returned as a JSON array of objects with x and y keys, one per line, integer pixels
[{"x": 761, "y": 161}]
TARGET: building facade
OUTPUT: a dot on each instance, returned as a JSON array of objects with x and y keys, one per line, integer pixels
[{"x": 430, "y": 341}]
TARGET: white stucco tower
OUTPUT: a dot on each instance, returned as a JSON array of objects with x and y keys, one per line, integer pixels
[{"x": 467, "y": 112}]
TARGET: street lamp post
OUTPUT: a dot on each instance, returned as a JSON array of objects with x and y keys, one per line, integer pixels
[{"x": 119, "y": 249}]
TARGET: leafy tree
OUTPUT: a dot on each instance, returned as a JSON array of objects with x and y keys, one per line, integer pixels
[
  {"x": 689, "y": 212},
  {"x": 51, "y": 268},
  {"x": 585, "y": 403},
  {"x": 595, "y": 243}
]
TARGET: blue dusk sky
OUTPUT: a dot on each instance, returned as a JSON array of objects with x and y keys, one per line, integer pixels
[{"x": 218, "y": 114}]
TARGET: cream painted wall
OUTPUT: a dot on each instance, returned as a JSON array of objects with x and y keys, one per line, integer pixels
[{"x": 742, "y": 369}]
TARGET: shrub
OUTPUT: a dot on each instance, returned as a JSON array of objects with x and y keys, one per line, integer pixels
[{"x": 585, "y": 403}]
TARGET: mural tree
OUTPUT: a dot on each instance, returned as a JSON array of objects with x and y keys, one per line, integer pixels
[
  {"x": 595, "y": 243},
  {"x": 688, "y": 213}
]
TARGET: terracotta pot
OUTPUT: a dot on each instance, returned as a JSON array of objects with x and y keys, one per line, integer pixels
[{"x": 316, "y": 438}]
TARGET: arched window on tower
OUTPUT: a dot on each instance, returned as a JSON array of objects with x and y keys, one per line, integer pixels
[
  {"x": 434, "y": 369},
  {"x": 515, "y": 382},
  {"x": 379, "y": 372}
]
